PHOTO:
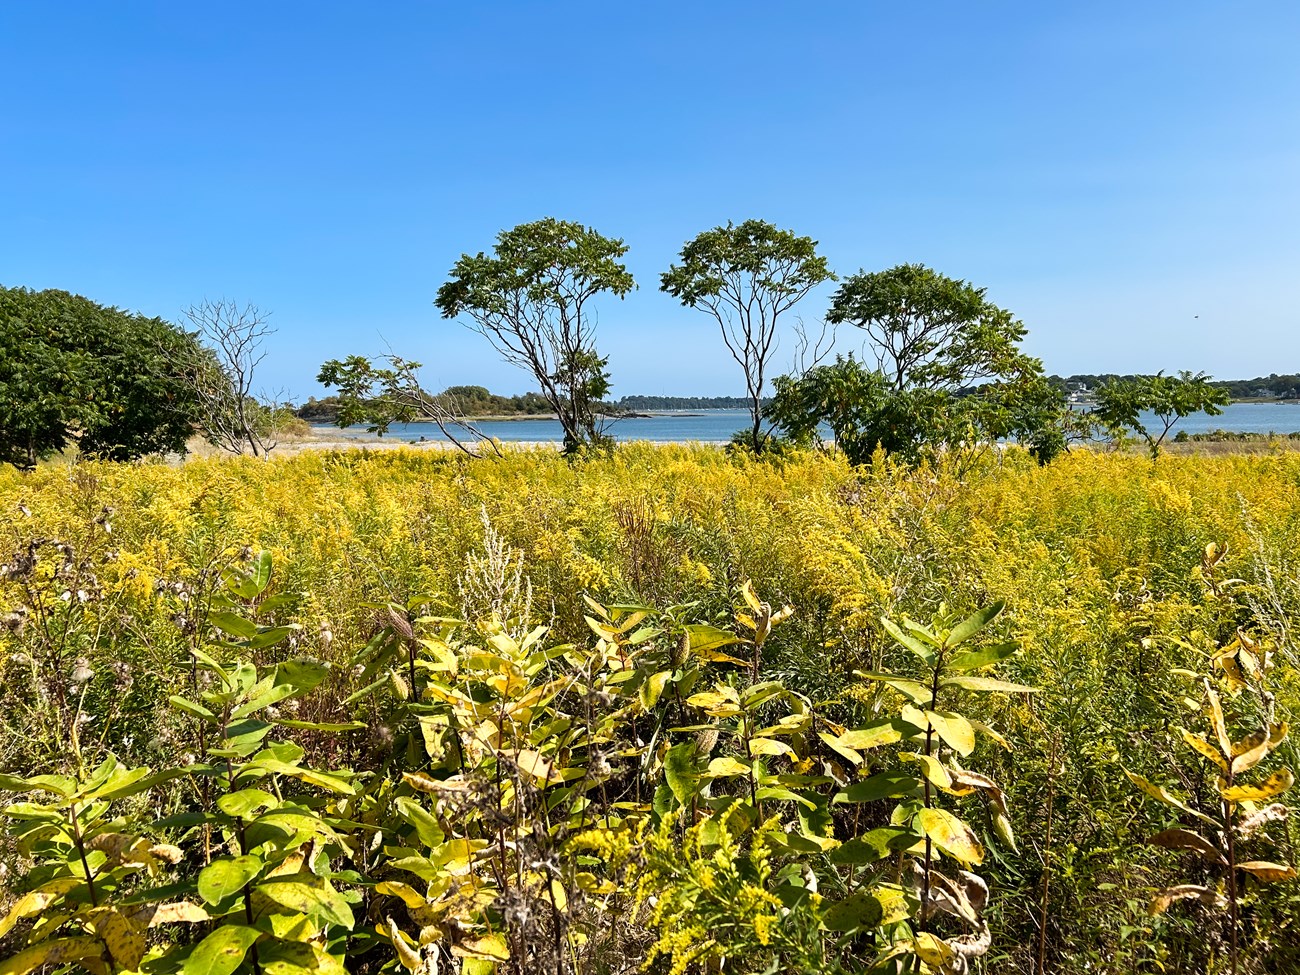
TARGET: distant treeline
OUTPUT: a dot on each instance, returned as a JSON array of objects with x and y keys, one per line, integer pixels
[
  {"x": 474, "y": 401},
  {"x": 684, "y": 403},
  {"x": 463, "y": 400},
  {"x": 1261, "y": 387}
]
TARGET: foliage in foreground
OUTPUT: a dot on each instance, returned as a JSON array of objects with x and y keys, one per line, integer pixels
[
  {"x": 502, "y": 833},
  {"x": 1101, "y": 560}
]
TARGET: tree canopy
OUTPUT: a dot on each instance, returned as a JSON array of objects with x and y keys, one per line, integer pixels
[
  {"x": 530, "y": 299},
  {"x": 76, "y": 372},
  {"x": 746, "y": 276},
  {"x": 1121, "y": 403},
  {"x": 949, "y": 370}
]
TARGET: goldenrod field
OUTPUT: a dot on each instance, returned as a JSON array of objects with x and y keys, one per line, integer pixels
[{"x": 1101, "y": 560}]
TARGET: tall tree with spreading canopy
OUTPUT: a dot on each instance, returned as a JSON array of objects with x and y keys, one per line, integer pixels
[
  {"x": 531, "y": 299},
  {"x": 1121, "y": 403},
  {"x": 746, "y": 276},
  {"x": 949, "y": 371},
  {"x": 74, "y": 372},
  {"x": 929, "y": 331}
]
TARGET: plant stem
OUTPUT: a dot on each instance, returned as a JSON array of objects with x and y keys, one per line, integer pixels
[{"x": 1039, "y": 967}]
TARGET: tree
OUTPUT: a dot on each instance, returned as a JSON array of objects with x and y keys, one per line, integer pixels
[
  {"x": 929, "y": 331},
  {"x": 530, "y": 299},
  {"x": 76, "y": 372},
  {"x": 949, "y": 372},
  {"x": 381, "y": 396},
  {"x": 1121, "y": 402},
  {"x": 854, "y": 401},
  {"x": 746, "y": 277},
  {"x": 221, "y": 373}
]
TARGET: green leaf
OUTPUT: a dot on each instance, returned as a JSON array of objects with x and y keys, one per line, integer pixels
[
  {"x": 271, "y": 636},
  {"x": 426, "y": 826},
  {"x": 984, "y": 657},
  {"x": 220, "y": 879},
  {"x": 856, "y": 912},
  {"x": 680, "y": 771},
  {"x": 973, "y": 623},
  {"x": 297, "y": 958},
  {"x": 913, "y": 690},
  {"x": 245, "y": 802},
  {"x": 783, "y": 795},
  {"x": 321, "y": 725},
  {"x": 261, "y": 576},
  {"x": 233, "y": 624},
  {"x": 873, "y": 846},
  {"x": 706, "y": 640},
  {"x": 221, "y": 952},
  {"x": 198, "y": 710},
  {"x": 926, "y": 653},
  {"x": 987, "y": 684},
  {"x": 891, "y": 784},
  {"x": 324, "y": 780}
]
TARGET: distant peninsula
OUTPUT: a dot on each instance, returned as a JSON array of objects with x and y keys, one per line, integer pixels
[{"x": 477, "y": 402}]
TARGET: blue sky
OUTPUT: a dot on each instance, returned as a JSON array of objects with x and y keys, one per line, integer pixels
[{"x": 1125, "y": 177}]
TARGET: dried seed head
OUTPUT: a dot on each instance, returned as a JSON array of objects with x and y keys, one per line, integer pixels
[
  {"x": 399, "y": 624},
  {"x": 82, "y": 672}
]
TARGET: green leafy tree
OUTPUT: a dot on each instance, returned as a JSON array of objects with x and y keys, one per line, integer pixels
[
  {"x": 1121, "y": 403},
  {"x": 74, "y": 371},
  {"x": 746, "y": 276},
  {"x": 949, "y": 371},
  {"x": 380, "y": 396},
  {"x": 530, "y": 298}
]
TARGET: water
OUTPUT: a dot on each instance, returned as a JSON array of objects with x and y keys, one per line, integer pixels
[{"x": 717, "y": 426}]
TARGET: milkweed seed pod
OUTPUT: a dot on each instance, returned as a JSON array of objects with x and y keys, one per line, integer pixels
[{"x": 681, "y": 650}]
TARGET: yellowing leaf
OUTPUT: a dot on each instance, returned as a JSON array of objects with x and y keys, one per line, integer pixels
[
  {"x": 408, "y": 956},
  {"x": 125, "y": 944},
  {"x": 933, "y": 950},
  {"x": 1164, "y": 795},
  {"x": 410, "y": 896},
  {"x": 1270, "y": 873},
  {"x": 37, "y": 901},
  {"x": 950, "y": 835},
  {"x": 769, "y": 746},
  {"x": 533, "y": 764},
  {"x": 1204, "y": 748},
  {"x": 1184, "y": 892},
  {"x": 653, "y": 687},
  {"x": 1183, "y": 839},
  {"x": 874, "y": 735},
  {"x": 1274, "y": 785},
  {"x": 59, "y": 951},
  {"x": 1247, "y": 758},
  {"x": 726, "y": 767},
  {"x": 489, "y": 947},
  {"x": 931, "y": 768},
  {"x": 1216, "y": 719},
  {"x": 953, "y": 729}
]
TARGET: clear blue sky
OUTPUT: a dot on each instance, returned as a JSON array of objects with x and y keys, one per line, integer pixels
[{"x": 1110, "y": 171}]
